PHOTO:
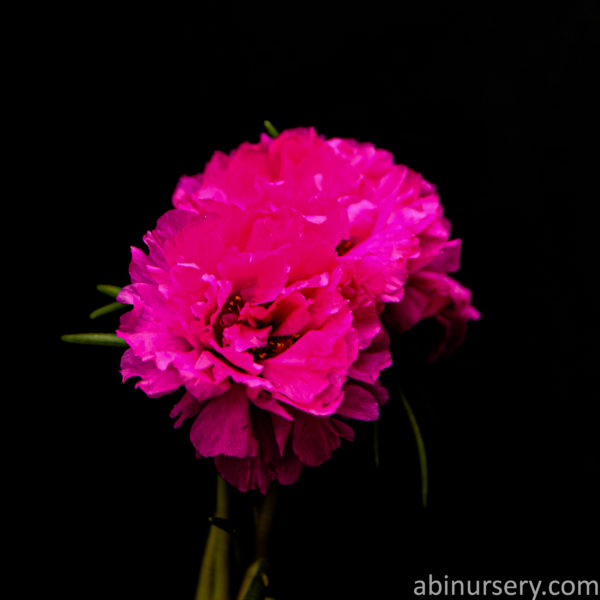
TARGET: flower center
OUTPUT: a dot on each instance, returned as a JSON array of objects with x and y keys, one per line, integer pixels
[
  {"x": 276, "y": 345},
  {"x": 230, "y": 314},
  {"x": 343, "y": 247},
  {"x": 231, "y": 311}
]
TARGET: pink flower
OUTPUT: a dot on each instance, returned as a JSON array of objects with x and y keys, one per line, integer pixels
[
  {"x": 263, "y": 291},
  {"x": 245, "y": 311},
  {"x": 384, "y": 219},
  {"x": 350, "y": 193}
]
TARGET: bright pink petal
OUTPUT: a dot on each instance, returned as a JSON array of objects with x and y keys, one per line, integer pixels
[
  {"x": 241, "y": 337},
  {"x": 152, "y": 380}
]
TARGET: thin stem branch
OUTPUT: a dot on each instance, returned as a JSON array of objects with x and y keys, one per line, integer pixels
[
  {"x": 420, "y": 448},
  {"x": 221, "y": 575}
]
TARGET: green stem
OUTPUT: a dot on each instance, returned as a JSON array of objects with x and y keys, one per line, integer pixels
[
  {"x": 213, "y": 582},
  {"x": 255, "y": 581},
  {"x": 265, "y": 522},
  {"x": 205, "y": 580},
  {"x": 221, "y": 589}
]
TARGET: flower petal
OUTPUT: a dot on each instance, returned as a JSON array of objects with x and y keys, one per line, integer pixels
[{"x": 223, "y": 426}]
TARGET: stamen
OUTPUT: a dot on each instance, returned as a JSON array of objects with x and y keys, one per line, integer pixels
[
  {"x": 343, "y": 247},
  {"x": 230, "y": 312},
  {"x": 276, "y": 345}
]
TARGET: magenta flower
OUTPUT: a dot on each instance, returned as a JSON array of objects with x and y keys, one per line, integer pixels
[
  {"x": 257, "y": 331},
  {"x": 262, "y": 294}
]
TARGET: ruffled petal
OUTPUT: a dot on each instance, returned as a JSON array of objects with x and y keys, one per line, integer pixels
[
  {"x": 315, "y": 438},
  {"x": 358, "y": 403},
  {"x": 223, "y": 426}
]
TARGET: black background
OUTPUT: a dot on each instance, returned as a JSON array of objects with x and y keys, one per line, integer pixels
[{"x": 494, "y": 105}]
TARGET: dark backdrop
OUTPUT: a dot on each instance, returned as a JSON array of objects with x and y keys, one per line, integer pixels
[{"x": 496, "y": 107}]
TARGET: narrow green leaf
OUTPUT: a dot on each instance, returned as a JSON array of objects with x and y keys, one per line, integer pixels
[
  {"x": 109, "y": 290},
  {"x": 420, "y": 448},
  {"x": 106, "y": 309},
  {"x": 95, "y": 339},
  {"x": 270, "y": 129}
]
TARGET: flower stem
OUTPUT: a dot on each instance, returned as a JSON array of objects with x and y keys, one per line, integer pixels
[
  {"x": 205, "y": 581},
  {"x": 213, "y": 583},
  {"x": 265, "y": 522},
  {"x": 223, "y": 538},
  {"x": 255, "y": 581}
]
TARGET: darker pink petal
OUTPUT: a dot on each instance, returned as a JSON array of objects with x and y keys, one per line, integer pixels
[
  {"x": 359, "y": 403},
  {"x": 223, "y": 426},
  {"x": 315, "y": 438},
  {"x": 186, "y": 408},
  {"x": 436, "y": 295}
]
